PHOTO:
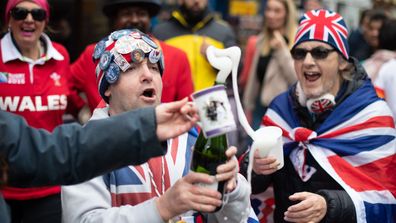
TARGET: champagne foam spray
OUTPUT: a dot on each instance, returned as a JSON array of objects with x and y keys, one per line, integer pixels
[{"x": 226, "y": 60}]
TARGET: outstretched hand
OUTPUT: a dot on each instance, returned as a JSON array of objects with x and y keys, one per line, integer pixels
[{"x": 175, "y": 118}]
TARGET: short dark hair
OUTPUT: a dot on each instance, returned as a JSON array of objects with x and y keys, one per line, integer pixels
[
  {"x": 365, "y": 13},
  {"x": 387, "y": 35},
  {"x": 377, "y": 15}
]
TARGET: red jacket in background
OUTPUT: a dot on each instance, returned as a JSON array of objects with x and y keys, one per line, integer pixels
[
  {"x": 177, "y": 82},
  {"x": 38, "y": 91}
]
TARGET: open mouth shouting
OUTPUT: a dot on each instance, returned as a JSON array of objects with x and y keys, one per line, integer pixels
[
  {"x": 149, "y": 95},
  {"x": 312, "y": 76}
]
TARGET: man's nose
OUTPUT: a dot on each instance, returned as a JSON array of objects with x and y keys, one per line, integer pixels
[
  {"x": 133, "y": 17},
  {"x": 146, "y": 75},
  {"x": 308, "y": 60}
]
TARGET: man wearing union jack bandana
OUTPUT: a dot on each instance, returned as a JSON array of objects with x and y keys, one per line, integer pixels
[
  {"x": 339, "y": 137},
  {"x": 162, "y": 189}
]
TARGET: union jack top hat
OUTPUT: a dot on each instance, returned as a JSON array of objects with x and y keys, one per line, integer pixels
[{"x": 325, "y": 26}]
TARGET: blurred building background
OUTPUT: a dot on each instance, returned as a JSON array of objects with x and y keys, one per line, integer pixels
[{"x": 76, "y": 23}]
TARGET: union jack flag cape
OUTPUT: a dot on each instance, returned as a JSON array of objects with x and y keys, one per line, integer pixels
[{"x": 355, "y": 145}]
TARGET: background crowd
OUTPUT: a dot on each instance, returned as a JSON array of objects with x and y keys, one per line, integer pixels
[{"x": 40, "y": 82}]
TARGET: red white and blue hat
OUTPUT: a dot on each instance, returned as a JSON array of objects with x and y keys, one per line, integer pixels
[
  {"x": 115, "y": 53},
  {"x": 325, "y": 26}
]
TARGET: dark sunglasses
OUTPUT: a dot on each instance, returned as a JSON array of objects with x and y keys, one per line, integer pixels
[
  {"x": 21, "y": 13},
  {"x": 318, "y": 53}
]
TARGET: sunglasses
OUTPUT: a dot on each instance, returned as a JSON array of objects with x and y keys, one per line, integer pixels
[
  {"x": 19, "y": 13},
  {"x": 318, "y": 53}
]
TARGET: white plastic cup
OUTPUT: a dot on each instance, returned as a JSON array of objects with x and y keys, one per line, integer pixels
[
  {"x": 268, "y": 140},
  {"x": 214, "y": 110}
]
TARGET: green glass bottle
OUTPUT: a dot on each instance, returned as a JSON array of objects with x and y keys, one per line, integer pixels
[{"x": 207, "y": 155}]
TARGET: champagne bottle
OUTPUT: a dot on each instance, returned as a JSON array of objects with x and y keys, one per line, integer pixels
[{"x": 207, "y": 155}]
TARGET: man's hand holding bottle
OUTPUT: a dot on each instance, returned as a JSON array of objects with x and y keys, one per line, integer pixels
[{"x": 187, "y": 194}]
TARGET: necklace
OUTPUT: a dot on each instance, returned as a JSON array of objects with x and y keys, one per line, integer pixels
[{"x": 162, "y": 178}]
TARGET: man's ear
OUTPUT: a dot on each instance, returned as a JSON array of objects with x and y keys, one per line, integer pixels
[
  {"x": 108, "y": 92},
  {"x": 343, "y": 63},
  {"x": 345, "y": 68}
]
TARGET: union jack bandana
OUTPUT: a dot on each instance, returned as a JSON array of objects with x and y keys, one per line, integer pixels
[{"x": 325, "y": 26}]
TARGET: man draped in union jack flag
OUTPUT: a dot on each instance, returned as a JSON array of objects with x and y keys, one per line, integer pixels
[
  {"x": 163, "y": 189},
  {"x": 339, "y": 137}
]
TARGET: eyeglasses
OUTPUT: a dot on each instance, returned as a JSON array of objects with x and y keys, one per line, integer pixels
[
  {"x": 19, "y": 13},
  {"x": 318, "y": 53}
]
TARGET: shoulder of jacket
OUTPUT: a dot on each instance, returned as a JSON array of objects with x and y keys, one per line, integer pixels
[
  {"x": 221, "y": 22},
  {"x": 90, "y": 48}
]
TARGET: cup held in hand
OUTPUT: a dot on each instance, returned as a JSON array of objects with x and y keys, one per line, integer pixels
[
  {"x": 214, "y": 110},
  {"x": 268, "y": 140}
]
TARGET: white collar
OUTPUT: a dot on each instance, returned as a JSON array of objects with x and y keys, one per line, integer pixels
[{"x": 10, "y": 52}]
